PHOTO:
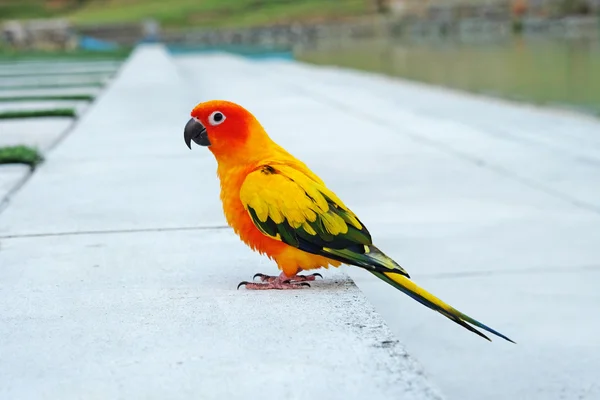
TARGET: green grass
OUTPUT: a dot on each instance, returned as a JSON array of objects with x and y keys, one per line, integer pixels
[
  {"x": 74, "y": 97},
  {"x": 51, "y": 85},
  {"x": 7, "y": 54},
  {"x": 186, "y": 13},
  {"x": 10, "y": 9},
  {"x": 20, "y": 155},
  {"x": 57, "y": 112},
  {"x": 211, "y": 13}
]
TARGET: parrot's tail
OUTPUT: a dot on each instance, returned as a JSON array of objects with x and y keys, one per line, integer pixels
[
  {"x": 410, "y": 288},
  {"x": 365, "y": 256}
]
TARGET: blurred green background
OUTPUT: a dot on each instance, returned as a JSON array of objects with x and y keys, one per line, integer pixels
[
  {"x": 542, "y": 70},
  {"x": 184, "y": 13}
]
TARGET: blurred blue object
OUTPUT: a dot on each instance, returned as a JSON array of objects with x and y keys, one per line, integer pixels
[
  {"x": 93, "y": 44},
  {"x": 151, "y": 30}
]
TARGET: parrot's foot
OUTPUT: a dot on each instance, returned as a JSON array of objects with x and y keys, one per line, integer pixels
[
  {"x": 282, "y": 277},
  {"x": 276, "y": 284},
  {"x": 281, "y": 282}
]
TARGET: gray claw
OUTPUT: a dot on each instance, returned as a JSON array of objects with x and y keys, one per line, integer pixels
[{"x": 259, "y": 275}]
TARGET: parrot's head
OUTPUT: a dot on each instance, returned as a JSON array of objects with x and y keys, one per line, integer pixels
[{"x": 226, "y": 128}]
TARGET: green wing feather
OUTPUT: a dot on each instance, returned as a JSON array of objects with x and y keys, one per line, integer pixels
[{"x": 288, "y": 205}]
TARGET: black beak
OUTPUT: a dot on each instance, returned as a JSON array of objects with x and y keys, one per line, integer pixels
[{"x": 194, "y": 130}]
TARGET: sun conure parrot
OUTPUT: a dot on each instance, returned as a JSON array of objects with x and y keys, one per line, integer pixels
[{"x": 280, "y": 208}]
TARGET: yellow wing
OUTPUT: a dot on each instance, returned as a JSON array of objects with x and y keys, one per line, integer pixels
[{"x": 288, "y": 205}]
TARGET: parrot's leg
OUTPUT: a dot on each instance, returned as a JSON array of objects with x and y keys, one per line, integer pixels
[
  {"x": 281, "y": 282},
  {"x": 283, "y": 277},
  {"x": 278, "y": 285}
]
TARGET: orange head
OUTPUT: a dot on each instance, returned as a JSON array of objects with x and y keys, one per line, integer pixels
[{"x": 228, "y": 130}]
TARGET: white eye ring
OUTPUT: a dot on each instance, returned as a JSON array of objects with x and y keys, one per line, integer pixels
[{"x": 216, "y": 118}]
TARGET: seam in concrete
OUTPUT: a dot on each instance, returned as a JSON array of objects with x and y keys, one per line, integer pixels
[
  {"x": 479, "y": 162},
  {"x": 114, "y": 231},
  {"x": 6, "y": 199},
  {"x": 524, "y": 271},
  {"x": 503, "y": 134}
]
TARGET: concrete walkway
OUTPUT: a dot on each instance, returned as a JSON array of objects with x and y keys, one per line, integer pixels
[
  {"x": 56, "y": 67},
  {"x": 492, "y": 206},
  {"x": 118, "y": 275},
  {"x": 11, "y": 178},
  {"x": 121, "y": 273},
  {"x": 41, "y": 133},
  {"x": 78, "y": 106}
]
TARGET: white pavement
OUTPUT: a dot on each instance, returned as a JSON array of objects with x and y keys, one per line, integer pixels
[
  {"x": 41, "y": 133},
  {"x": 56, "y": 67},
  {"x": 492, "y": 206},
  {"x": 61, "y": 91},
  {"x": 118, "y": 276},
  {"x": 79, "y": 106},
  {"x": 11, "y": 176},
  {"x": 82, "y": 80}
]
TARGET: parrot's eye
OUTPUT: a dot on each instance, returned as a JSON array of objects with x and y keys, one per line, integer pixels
[{"x": 216, "y": 118}]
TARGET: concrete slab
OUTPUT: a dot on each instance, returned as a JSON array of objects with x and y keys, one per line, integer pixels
[
  {"x": 121, "y": 194},
  {"x": 142, "y": 104},
  {"x": 475, "y": 110},
  {"x": 134, "y": 147},
  {"x": 158, "y": 315},
  {"x": 14, "y": 68},
  {"x": 500, "y": 227},
  {"x": 10, "y": 82},
  {"x": 547, "y": 310},
  {"x": 121, "y": 310},
  {"x": 41, "y": 133},
  {"x": 50, "y": 69},
  {"x": 80, "y": 106},
  {"x": 11, "y": 175},
  {"x": 52, "y": 91}
]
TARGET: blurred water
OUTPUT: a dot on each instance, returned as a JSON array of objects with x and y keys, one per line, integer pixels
[{"x": 554, "y": 71}]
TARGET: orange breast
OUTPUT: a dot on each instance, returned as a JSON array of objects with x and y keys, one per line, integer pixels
[{"x": 238, "y": 218}]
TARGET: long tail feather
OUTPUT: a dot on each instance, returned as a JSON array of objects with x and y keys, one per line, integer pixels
[
  {"x": 369, "y": 257},
  {"x": 410, "y": 288}
]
